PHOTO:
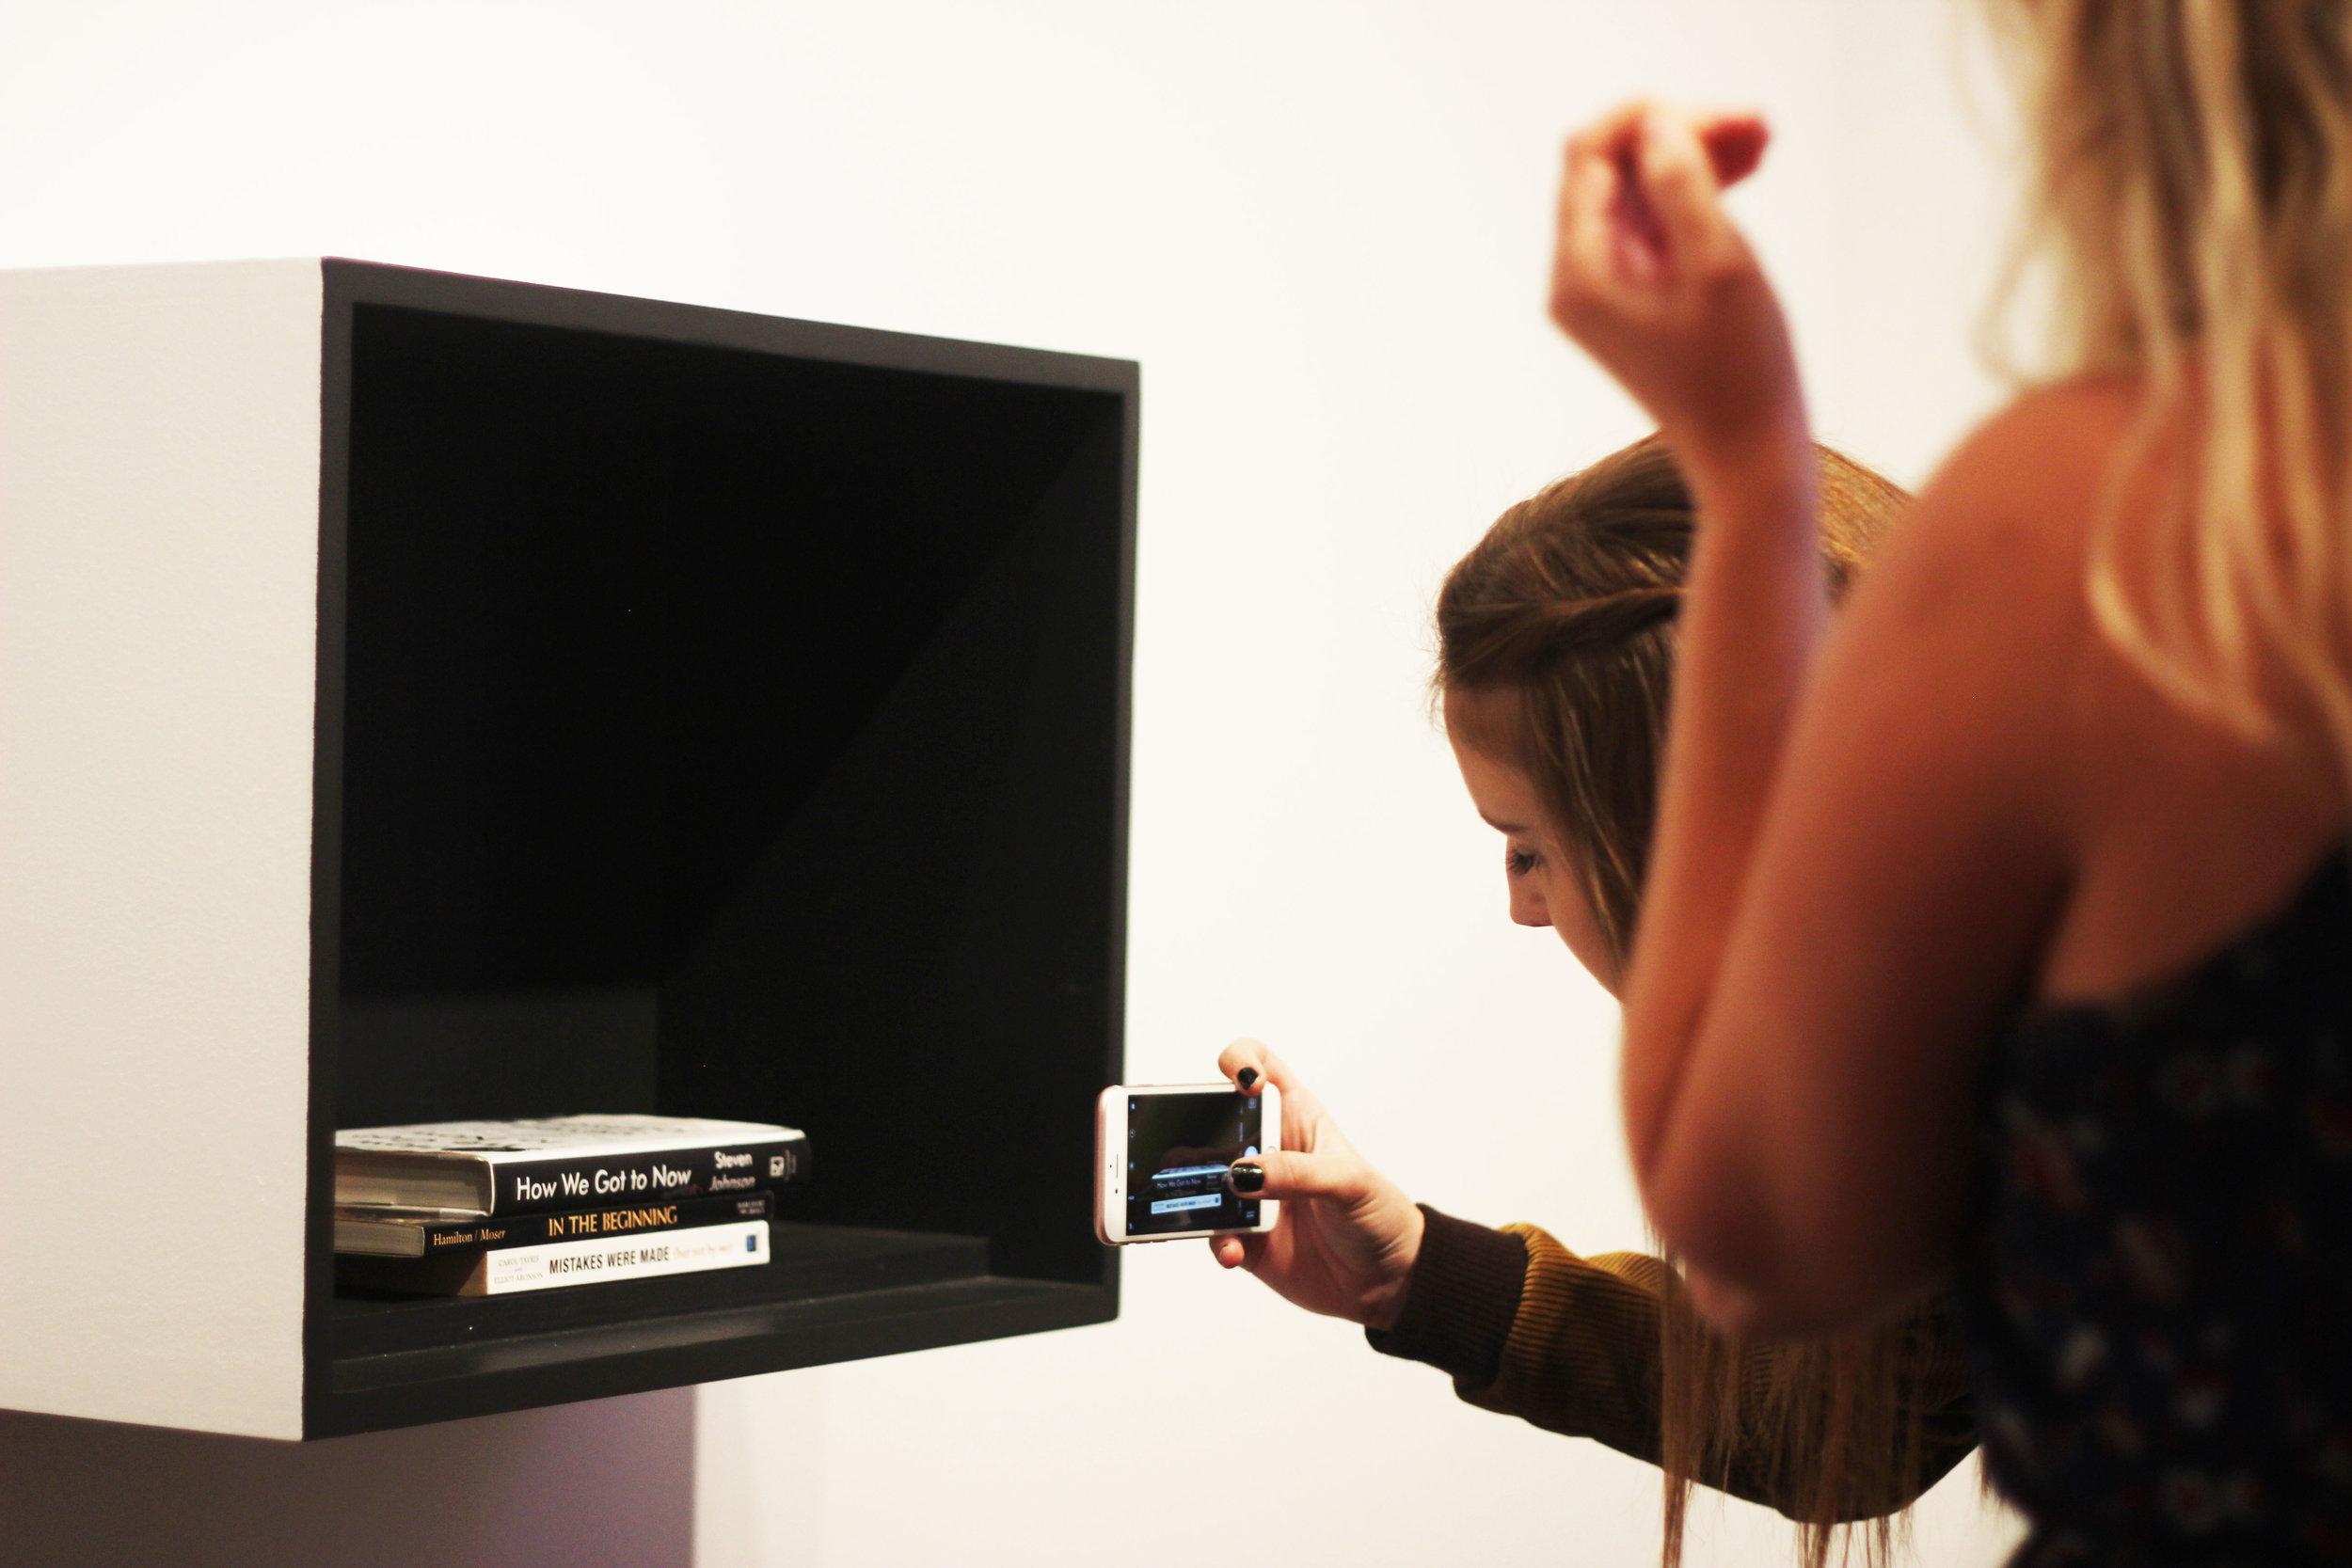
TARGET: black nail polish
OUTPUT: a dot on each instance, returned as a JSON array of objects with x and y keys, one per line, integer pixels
[
  {"x": 1246, "y": 1178},
  {"x": 1247, "y": 1076}
]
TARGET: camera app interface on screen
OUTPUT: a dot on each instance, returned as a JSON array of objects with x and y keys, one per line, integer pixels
[{"x": 1177, "y": 1147}]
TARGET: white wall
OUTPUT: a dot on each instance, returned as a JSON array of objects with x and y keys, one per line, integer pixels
[{"x": 1322, "y": 227}]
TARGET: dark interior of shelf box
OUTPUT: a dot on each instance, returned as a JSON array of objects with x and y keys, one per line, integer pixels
[{"x": 738, "y": 736}]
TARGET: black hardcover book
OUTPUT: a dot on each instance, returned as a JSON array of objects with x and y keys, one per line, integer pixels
[
  {"x": 427, "y": 1233},
  {"x": 551, "y": 1164}
]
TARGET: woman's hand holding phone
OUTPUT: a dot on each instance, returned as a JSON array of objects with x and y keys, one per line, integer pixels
[{"x": 1348, "y": 1237}]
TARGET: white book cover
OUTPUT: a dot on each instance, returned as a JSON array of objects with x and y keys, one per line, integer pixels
[
  {"x": 535, "y": 1137},
  {"x": 507, "y": 1270}
]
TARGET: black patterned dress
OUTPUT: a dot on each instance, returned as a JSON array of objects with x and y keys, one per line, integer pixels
[{"x": 2160, "y": 1309}]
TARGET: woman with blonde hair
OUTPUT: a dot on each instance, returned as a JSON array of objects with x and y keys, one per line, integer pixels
[
  {"x": 1554, "y": 660},
  {"x": 2025, "y": 971}
]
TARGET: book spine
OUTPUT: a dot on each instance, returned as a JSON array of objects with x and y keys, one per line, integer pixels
[
  {"x": 508, "y": 1270},
  {"x": 484, "y": 1235},
  {"x": 504, "y": 1271},
  {"x": 562, "y": 1182}
]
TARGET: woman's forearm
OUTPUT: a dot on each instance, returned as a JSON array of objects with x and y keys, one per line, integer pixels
[
  {"x": 1574, "y": 1345},
  {"x": 1753, "y": 615},
  {"x": 1652, "y": 278}
]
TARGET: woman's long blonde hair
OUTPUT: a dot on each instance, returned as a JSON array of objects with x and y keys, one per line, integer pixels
[
  {"x": 2193, "y": 187},
  {"x": 1566, "y": 609}
]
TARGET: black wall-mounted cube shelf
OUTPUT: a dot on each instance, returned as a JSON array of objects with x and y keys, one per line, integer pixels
[{"x": 715, "y": 715}]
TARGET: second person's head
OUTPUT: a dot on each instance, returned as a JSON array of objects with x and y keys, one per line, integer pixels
[{"x": 1555, "y": 656}]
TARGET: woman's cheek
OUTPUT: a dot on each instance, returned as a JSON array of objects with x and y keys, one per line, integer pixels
[{"x": 1580, "y": 928}]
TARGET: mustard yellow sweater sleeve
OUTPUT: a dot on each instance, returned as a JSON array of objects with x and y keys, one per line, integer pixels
[{"x": 1529, "y": 1328}]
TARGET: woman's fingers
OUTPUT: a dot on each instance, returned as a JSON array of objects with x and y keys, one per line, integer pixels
[
  {"x": 1651, "y": 278},
  {"x": 1238, "y": 1252},
  {"x": 1586, "y": 263},
  {"x": 1246, "y": 1056},
  {"x": 1639, "y": 202},
  {"x": 1263, "y": 1065},
  {"x": 1610, "y": 135},
  {"x": 1735, "y": 142},
  {"x": 1289, "y": 1173},
  {"x": 1305, "y": 1123},
  {"x": 1675, "y": 185}
]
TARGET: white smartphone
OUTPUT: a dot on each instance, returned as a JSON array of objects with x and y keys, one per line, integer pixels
[{"x": 1160, "y": 1156}]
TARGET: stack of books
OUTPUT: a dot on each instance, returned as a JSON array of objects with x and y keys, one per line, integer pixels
[{"x": 484, "y": 1207}]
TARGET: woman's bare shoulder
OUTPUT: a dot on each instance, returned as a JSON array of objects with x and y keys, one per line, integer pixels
[
  {"x": 2006, "y": 506},
  {"x": 2048, "y": 448},
  {"x": 2007, "y": 516}
]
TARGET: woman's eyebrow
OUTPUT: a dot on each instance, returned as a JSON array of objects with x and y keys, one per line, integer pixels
[{"x": 1502, "y": 827}]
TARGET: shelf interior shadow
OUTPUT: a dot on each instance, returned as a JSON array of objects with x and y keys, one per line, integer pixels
[{"x": 739, "y": 736}]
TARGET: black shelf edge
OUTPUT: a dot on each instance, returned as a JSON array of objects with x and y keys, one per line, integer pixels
[
  {"x": 352, "y": 280},
  {"x": 806, "y": 1263},
  {"x": 411, "y": 1388}
]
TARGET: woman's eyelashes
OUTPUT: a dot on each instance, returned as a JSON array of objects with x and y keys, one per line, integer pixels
[{"x": 1518, "y": 861}]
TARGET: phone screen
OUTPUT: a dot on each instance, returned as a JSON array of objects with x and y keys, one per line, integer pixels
[{"x": 1177, "y": 1147}]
